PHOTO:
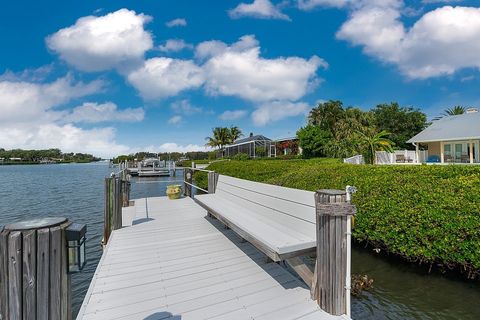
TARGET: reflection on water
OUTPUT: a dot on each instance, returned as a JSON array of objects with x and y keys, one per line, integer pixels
[
  {"x": 403, "y": 291},
  {"x": 76, "y": 192}
]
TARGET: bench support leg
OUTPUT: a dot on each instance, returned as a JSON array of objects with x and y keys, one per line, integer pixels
[
  {"x": 303, "y": 271},
  {"x": 314, "y": 286}
]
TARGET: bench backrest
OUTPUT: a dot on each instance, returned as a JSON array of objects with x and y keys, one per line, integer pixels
[{"x": 299, "y": 204}]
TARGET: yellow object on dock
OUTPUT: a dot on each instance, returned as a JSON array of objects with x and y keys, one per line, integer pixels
[{"x": 174, "y": 191}]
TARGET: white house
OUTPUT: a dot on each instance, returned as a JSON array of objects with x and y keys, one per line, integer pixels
[{"x": 452, "y": 139}]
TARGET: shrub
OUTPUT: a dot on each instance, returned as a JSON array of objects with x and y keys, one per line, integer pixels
[
  {"x": 426, "y": 214},
  {"x": 241, "y": 157},
  {"x": 313, "y": 141},
  {"x": 260, "y": 152}
]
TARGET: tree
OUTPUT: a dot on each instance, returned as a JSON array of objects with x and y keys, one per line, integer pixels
[
  {"x": 372, "y": 141},
  {"x": 455, "y": 111},
  {"x": 235, "y": 133},
  {"x": 221, "y": 137},
  {"x": 401, "y": 122},
  {"x": 326, "y": 115},
  {"x": 313, "y": 140}
]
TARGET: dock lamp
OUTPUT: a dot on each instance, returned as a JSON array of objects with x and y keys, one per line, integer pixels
[{"x": 75, "y": 234}]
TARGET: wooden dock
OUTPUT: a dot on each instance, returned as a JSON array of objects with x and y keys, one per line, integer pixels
[{"x": 172, "y": 261}]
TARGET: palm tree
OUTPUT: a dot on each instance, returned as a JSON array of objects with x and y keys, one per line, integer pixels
[
  {"x": 455, "y": 111},
  {"x": 235, "y": 133},
  {"x": 372, "y": 141},
  {"x": 220, "y": 138}
]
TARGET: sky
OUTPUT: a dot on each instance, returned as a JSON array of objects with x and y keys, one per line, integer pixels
[{"x": 116, "y": 77}]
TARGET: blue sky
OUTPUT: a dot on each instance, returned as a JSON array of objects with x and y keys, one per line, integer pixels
[{"x": 110, "y": 77}]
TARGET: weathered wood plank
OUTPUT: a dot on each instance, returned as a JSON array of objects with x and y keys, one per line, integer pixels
[
  {"x": 211, "y": 182},
  {"x": 117, "y": 218},
  {"x": 55, "y": 273},
  {"x": 4, "y": 274},
  {"x": 29, "y": 274},
  {"x": 43, "y": 273},
  {"x": 66, "y": 292},
  {"x": 106, "y": 211},
  {"x": 313, "y": 285},
  {"x": 297, "y": 264},
  {"x": 332, "y": 212},
  {"x": 15, "y": 275}
]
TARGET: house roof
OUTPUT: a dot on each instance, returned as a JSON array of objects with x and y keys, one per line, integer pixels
[
  {"x": 451, "y": 128},
  {"x": 257, "y": 137},
  {"x": 286, "y": 139}
]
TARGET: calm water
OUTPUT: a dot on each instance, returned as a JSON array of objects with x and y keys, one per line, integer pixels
[{"x": 76, "y": 191}]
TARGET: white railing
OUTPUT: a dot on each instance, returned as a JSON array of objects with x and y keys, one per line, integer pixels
[{"x": 358, "y": 159}]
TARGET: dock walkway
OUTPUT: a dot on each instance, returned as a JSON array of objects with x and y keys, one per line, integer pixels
[{"x": 171, "y": 261}]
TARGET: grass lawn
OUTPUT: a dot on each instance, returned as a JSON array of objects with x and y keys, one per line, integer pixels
[{"x": 426, "y": 214}]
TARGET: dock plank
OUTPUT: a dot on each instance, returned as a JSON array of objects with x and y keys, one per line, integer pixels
[{"x": 171, "y": 261}]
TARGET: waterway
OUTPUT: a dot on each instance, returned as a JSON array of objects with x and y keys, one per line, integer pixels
[{"x": 75, "y": 191}]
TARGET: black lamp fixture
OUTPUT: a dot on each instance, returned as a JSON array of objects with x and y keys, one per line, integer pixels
[{"x": 75, "y": 234}]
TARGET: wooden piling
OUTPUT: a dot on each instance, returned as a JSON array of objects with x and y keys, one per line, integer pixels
[
  {"x": 126, "y": 185},
  {"x": 34, "y": 283},
  {"x": 212, "y": 181},
  {"x": 4, "y": 275},
  {"x": 188, "y": 178},
  {"x": 117, "y": 195},
  {"x": 332, "y": 214}
]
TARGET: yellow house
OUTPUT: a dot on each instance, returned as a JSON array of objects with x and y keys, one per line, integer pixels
[{"x": 452, "y": 139}]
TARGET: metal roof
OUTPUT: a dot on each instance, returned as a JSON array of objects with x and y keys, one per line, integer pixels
[
  {"x": 451, "y": 128},
  {"x": 286, "y": 139},
  {"x": 257, "y": 137}
]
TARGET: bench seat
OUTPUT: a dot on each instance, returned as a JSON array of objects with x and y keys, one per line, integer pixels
[{"x": 278, "y": 221}]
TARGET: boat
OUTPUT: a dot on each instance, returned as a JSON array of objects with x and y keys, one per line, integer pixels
[{"x": 154, "y": 172}]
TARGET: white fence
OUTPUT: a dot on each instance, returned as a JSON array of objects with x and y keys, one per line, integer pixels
[
  {"x": 400, "y": 157},
  {"x": 397, "y": 157},
  {"x": 358, "y": 159}
]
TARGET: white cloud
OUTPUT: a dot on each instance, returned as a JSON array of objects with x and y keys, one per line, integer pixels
[
  {"x": 232, "y": 115},
  {"x": 175, "y": 120},
  {"x": 174, "y": 147},
  {"x": 30, "y": 75},
  {"x": 441, "y": 42},
  {"x": 179, "y": 22},
  {"x": 440, "y": 1},
  {"x": 263, "y": 9},
  {"x": 29, "y": 118},
  {"x": 92, "y": 112},
  {"x": 277, "y": 110},
  {"x": 115, "y": 40},
  {"x": 68, "y": 138},
  {"x": 208, "y": 49},
  {"x": 377, "y": 28},
  {"x": 22, "y": 101},
  {"x": 238, "y": 70},
  {"x": 185, "y": 107},
  {"x": 175, "y": 45},
  {"x": 164, "y": 77},
  {"x": 311, "y": 4}
]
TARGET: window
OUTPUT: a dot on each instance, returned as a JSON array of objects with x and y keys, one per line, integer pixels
[{"x": 447, "y": 149}]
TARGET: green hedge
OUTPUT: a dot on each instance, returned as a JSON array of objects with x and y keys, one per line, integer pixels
[{"x": 426, "y": 214}]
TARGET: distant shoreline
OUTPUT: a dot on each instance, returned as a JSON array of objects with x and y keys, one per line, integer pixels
[{"x": 22, "y": 163}]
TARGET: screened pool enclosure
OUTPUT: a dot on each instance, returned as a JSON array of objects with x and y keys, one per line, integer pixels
[{"x": 253, "y": 146}]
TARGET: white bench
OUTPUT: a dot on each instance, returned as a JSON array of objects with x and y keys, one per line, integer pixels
[{"x": 279, "y": 221}]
